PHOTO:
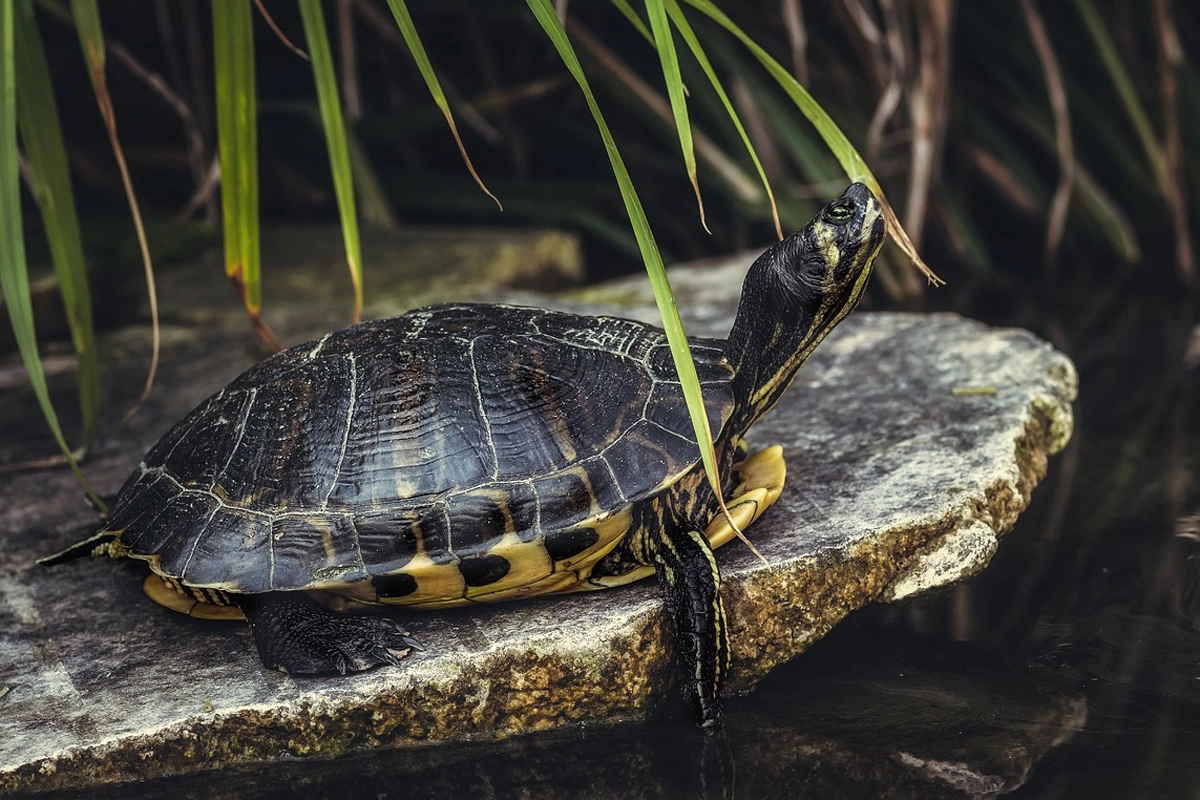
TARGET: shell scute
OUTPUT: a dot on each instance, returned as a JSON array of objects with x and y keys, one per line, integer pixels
[
  {"x": 476, "y": 521},
  {"x": 302, "y": 544},
  {"x": 389, "y": 540},
  {"x": 230, "y": 542}
]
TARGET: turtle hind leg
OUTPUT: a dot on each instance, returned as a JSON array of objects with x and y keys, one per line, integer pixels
[
  {"x": 691, "y": 584},
  {"x": 298, "y": 636}
]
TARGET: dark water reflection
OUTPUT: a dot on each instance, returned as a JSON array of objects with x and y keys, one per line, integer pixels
[{"x": 1100, "y": 581}]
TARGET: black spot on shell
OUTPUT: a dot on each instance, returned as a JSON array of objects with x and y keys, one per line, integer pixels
[
  {"x": 483, "y": 570},
  {"x": 396, "y": 585},
  {"x": 562, "y": 545}
]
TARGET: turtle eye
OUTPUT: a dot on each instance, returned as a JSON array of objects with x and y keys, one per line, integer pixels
[{"x": 840, "y": 212}]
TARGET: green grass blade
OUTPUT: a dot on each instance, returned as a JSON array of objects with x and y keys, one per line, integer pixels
[
  {"x": 1110, "y": 221},
  {"x": 672, "y": 324},
  {"x": 1102, "y": 214},
  {"x": 409, "y": 31},
  {"x": 852, "y": 163},
  {"x": 373, "y": 202},
  {"x": 335, "y": 138},
  {"x": 86, "y": 16},
  {"x": 689, "y": 37},
  {"x": 665, "y": 44},
  {"x": 1124, "y": 86},
  {"x": 627, "y": 10},
  {"x": 14, "y": 281},
  {"x": 237, "y": 142},
  {"x": 41, "y": 137}
]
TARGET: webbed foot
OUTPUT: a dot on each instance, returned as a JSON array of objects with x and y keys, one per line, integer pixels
[{"x": 296, "y": 635}]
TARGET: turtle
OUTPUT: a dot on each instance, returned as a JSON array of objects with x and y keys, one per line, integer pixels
[{"x": 470, "y": 453}]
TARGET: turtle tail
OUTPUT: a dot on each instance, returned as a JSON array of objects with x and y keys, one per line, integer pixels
[{"x": 100, "y": 544}]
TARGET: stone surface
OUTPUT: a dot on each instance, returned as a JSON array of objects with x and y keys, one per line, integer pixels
[{"x": 913, "y": 442}]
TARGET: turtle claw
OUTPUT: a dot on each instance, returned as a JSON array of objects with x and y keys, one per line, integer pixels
[
  {"x": 300, "y": 637},
  {"x": 386, "y": 655},
  {"x": 411, "y": 643}
]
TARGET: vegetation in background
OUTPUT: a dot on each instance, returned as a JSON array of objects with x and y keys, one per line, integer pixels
[
  {"x": 1034, "y": 144},
  {"x": 1044, "y": 155}
]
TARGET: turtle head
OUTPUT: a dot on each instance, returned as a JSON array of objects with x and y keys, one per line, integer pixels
[{"x": 797, "y": 291}]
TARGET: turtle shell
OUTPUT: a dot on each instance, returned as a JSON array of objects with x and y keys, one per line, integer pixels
[{"x": 456, "y": 453}]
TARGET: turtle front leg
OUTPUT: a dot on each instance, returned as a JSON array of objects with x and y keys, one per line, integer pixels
[
  {"x": 691, "y": 584},
  {"x": 300, "y": 637}
]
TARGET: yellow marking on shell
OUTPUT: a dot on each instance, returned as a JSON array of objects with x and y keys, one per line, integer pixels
[
  {"x": 253, "y": 500},
  {"x": 405, "y": 489},
  {"x": 437, "y": 584},
  {"x": 528, "y": 563},
  {"x": 761, "y": 477},
  {"x": 441, "y": 585},
  {"x": 609, "y": 531},
  {"x": 562, "y": 437},
  {"x": 760, "y": 482},
  {"x": 324, "y": 526},
  {"x": 168, "y": 593},
  {"x": 528, "y": 560},
  {"x": 553, "y": 583},
  {"x": 579, "y": 472},
  {"x": 532, "y": 574}
]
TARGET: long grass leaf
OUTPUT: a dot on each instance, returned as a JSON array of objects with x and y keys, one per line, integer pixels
[
  {"x": 665, "y": 299},
  {"x": 665, "y": 44},
  {"x": 335, "y": 139},
  {"x": 237, "y": 142},
  {"x": 41, "y": 138},
  {"x": 1111, "y": 221},
  {"x": 14, "y": 280},
  {"x": 1065, "y": 146},
  {"x": 852, "y": 163},
  {"x": 741, "y": 185},
  {"x": 689, "y": 37},
  {"x": 86, "y": 15},
  {"x": 1097, "y": 207},
  {"x": 409, "y": 31},
  {"x": 1124, "y": 86},
  {"x": 630, "y": 14},
  {"x": 373, "y": 202}
]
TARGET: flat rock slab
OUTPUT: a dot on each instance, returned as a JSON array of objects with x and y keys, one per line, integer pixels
[{"x": 912, "y": 442}]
